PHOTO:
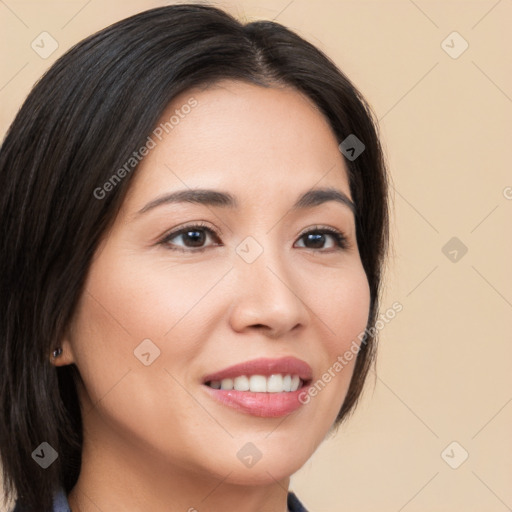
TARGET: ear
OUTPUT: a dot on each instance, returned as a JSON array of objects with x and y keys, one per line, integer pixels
[{"x": 66, "y": 356}]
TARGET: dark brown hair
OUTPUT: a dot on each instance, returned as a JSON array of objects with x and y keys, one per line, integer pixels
[{"x": 81, "y": 122}]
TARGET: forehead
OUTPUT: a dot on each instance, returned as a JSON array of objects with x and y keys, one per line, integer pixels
[{"x": 259, "y": 142}]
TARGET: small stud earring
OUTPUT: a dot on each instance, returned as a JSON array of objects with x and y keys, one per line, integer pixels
[{"x": 57, "y": 352}]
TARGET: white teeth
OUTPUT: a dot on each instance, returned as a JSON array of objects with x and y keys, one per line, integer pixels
[
  {"x": 276, "y": 383},
  {"x": 226, "y": 384},
  {"x": 258, "y": 383},
  {"x": 241, "y": 383}
]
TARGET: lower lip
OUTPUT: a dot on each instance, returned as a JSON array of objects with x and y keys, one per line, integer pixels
[{"x": 265, "y": 405}]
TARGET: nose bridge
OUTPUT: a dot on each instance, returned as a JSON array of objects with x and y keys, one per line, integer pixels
[
  {"x": 263, "y": 262},
  {"x": 266, "y": 288}
]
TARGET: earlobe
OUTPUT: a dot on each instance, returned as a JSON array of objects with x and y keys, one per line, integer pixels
[{"x": 62, "y": 355}]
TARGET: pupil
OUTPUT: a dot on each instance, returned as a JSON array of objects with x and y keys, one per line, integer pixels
[
  {"x": 197, "y": 237},
  {"x": 315, "y": 238}
]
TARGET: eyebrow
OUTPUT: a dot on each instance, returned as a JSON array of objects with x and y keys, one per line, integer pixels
[{"x": 208, "y": 197}]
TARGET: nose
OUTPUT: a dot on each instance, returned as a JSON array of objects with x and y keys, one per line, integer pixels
[{"x": 267, "y": 297}]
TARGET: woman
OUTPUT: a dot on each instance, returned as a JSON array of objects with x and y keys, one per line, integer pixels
[{"x": 194, "y": 219}]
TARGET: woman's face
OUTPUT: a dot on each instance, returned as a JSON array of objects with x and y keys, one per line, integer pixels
[{"x": 164, "y": 310}]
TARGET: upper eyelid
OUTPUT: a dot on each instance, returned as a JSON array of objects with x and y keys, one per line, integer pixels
[{"x": 316, "y": 227}]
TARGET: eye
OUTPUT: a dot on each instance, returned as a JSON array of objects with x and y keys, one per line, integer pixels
[
  {"x": 193, "y": 238},
  {"x": 317, "y": 237}
]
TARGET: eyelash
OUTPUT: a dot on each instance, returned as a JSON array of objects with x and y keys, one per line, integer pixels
[{"x": 339, "y": 238}]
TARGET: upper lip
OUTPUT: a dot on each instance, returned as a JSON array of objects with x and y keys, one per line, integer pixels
[{"x": 265, "y": 366}]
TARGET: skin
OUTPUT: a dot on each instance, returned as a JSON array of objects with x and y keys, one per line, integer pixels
[{"x": 153, "y": 438}]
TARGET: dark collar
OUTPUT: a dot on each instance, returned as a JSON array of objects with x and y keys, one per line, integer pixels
[
  {"x": 60, "y": 503},
  {"x": 294, "y": 505}
]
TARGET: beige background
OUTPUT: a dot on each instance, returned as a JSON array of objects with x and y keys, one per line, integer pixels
[{"x": 443, "y": 372}]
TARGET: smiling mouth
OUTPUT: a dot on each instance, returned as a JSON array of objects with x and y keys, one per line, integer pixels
[
  {"x": 266, "y": 397},
  {"x": 275, "y": 383},
  {"x": 264, "y": 387}
]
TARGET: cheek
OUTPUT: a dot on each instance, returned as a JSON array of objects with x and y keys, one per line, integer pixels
[
  {"x": 115, "y": 316},
  {"x": 342, "y": 304},
  {"x": 127, "y": 303},
  {"x": 152, "y": 297}
]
